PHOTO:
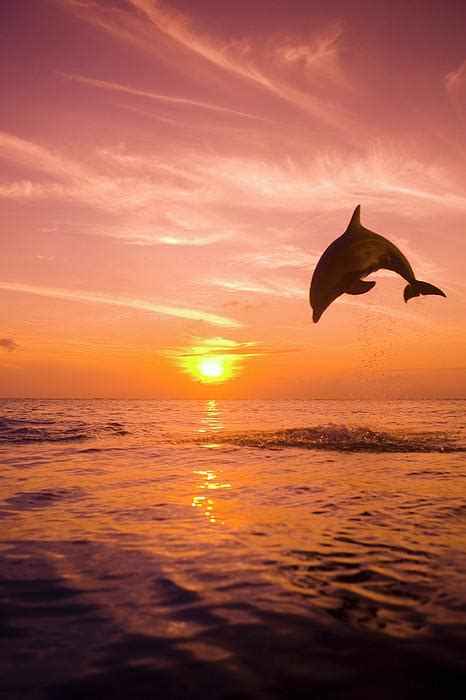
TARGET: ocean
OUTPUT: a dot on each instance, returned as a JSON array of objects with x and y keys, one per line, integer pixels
[{"x": 232, "y": 549}]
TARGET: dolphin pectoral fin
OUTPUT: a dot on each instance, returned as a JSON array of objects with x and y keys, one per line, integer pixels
[
  {"x": 359, "y": 287},
  {"x": 417, "y": 288}
]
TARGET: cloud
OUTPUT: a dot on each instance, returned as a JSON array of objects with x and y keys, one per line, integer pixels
[
  {"x": 320, "y": 53},
  {"x": 161, "y": 189},
  {"x": 158, "y": 198},
  {"x": 387, "y": 176},
  {"x": 180, "y": 189},
  {"x": 279, "y": 289},
  {"x": 179, "y": 226},
  {"x": 150, "y": 239},
  {"x": 240, "y": 59},
  {"x": 117, "y": 87},
  {"x": 281, "y": 255},
  {"x": 226, "y": 346},
  {"x": 455, "y": 83},
  {"x": 36, "y": 157},
  {"x": 137, "y": 304},
  {"x": 159, "y": 31},
  {"x": 217, "y": 346},
  {"x": 8, "y": 344}
]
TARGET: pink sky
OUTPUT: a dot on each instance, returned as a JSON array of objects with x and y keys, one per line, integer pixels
[{"x": 171, "y": 173}]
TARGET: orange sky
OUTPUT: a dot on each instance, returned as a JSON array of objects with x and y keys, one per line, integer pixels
[{"x": 171, "y": 172}]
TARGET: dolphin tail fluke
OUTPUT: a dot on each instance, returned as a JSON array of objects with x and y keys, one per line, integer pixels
[{"x": 416, "y": 288}]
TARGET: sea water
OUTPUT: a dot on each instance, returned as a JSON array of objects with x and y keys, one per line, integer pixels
[{"x": 230, "y": 549}]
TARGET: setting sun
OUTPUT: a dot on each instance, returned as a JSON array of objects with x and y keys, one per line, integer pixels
[
  {"x": 212, "y": 360},
  {"x": 210, "y": 370},
  {"x": 211, "y": 367}
]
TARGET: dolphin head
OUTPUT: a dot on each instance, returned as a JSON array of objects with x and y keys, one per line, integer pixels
[{"x": 320, "y": 299}]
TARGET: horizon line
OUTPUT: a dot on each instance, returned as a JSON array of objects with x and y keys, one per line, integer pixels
[{"x": 135, "y": 398}]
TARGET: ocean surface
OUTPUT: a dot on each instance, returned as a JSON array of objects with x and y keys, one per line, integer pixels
[{"x": 229, "y": 549}]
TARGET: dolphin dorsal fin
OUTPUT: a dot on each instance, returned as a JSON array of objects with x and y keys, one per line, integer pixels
[{"x": 355, "y": 222}]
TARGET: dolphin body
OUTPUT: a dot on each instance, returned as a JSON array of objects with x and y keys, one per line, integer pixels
[{"x": 354, "y": 255}]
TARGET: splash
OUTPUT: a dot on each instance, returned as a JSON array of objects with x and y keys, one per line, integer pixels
[{"x": 344, "y": 438}]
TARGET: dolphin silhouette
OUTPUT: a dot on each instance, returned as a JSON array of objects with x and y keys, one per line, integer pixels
[{"x": 354, "y": 255}]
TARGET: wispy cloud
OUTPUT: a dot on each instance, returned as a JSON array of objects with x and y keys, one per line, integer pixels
[
  {"x": 279, "y": 289},
  {"x": 278, "y": 256},
  {"x": 8, "y": 344},
  {"x": 160, "y": 198},
  {"x": 115, "y": 191},
  {"x": 224, "y": 347},
  {"x": 35, "y": 157},
  {"x": 156, "y": 24},
  {"x": 240, "y": 60},
  {"x": 176, "y": 225},
  {"x": 455, "y": 82},
  {"x": 321, "y": 53},
  {"x": 150, "y": 239},
  {"x": 215, "y": 346},
  {"x": 380, "y": 175},
  {"x": 137, "y": 304},
  {"x": 180, "y": 190},
  {"x": 184, "y": 101}
]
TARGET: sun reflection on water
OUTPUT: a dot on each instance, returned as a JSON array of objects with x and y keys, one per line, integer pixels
[
  {"x": 212, "y": 421},
  {"x": 209, "y": 482}
]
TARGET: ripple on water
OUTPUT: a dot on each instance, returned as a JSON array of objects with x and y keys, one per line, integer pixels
[
  {"x": 32, "y": 500},
  {"x": 367, "y": 595},
  {"x": 29, "y": 430}
]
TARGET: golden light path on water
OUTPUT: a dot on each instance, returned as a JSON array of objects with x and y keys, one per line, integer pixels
[{"x": 209, "y": 481}]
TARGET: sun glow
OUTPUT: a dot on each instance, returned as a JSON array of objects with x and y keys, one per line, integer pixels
[
  {"x": 211, "y": 367},
  {"x": 212, "y": 360}
]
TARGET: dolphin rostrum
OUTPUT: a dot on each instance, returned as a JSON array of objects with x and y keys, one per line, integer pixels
[{"x": 354, "y": 255}]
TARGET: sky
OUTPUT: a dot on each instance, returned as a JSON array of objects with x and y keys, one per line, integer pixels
[{"x": 171, "y": 172}]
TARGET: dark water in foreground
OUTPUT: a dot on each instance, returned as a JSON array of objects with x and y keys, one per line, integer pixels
[{"x": 232, "y": 549}]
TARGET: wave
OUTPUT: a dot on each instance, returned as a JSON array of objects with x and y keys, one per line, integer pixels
[
  {"x": 331, "y": 437},
  {"x": 24, "y": 431},
  {"x": 35, "y": 500},
  {"x": 343, "y": 438}
]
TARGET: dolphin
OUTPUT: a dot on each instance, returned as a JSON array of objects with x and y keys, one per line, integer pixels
[{"x": 354, "y": 255}]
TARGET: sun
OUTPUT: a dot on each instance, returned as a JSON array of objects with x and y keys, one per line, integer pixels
[
  {"x": 212, "y": 360},
  {"x": 211, "y": 367}
]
